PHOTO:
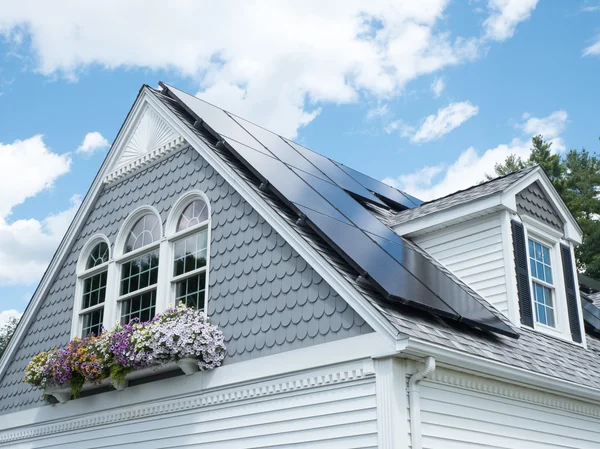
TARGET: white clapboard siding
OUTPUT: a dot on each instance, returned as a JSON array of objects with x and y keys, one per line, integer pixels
[
  {"x": 475, "y": 253},
  {"x": 455, "y": 418},
  {"x": 341, "y": 416}
]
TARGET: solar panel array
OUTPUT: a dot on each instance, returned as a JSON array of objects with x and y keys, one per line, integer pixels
[{"x": 323, "y": 193}]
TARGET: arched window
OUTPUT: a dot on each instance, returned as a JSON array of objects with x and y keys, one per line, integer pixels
[
  {"x": 93, "y": 278},
  {"x": 139, "y": 273},
  {"x": 190, "y": 253}
]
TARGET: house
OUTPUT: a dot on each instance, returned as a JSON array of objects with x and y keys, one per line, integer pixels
[{"x": 354, "y": 315}]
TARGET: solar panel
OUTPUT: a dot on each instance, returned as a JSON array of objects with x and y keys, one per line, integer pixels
[
  {"x": 591, "y": 316},
  {"x": 348, "y": 206},
  {"x": 385, "y": 191},
  {"x": 280, "y": 148},
  {"x": 375, "y": 251},
  {"x": 372, "y": 260},
  {"x": 335, "y": 173},
  {"x": 284, "y": 180},
  {"x": 218, "y": 121},
  {"x": 439, "y": 283}
]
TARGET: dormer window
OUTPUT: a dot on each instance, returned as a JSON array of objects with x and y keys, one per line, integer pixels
[{"x": 542, "y": 283}]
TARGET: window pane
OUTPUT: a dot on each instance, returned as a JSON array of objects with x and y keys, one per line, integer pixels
[
  {"x": 548, "y": 274},
  {"x": 144, "y": 232},
  {"x": 99, "y": 255},
  {"x": 92, "y": 322},
  {"x": 539, "y": 261},
  {"x": 140, "y": 306},
  {"x": 544, "y": 305},
  {"x": 94, "y": 290},
  {"x": 195, "y": 213},
  {"x": 191, "y": 291},
  {"x": 190, "y": 253},
  {"x": 139, "y": 273}
]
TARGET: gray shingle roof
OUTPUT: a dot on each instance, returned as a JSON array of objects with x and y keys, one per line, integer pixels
[
  {"x": 462, "y": 196},
  {"x": 533, "y": 351}
]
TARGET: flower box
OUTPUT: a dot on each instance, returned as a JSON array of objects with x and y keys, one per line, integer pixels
[
  {"x": 180, "y": 338},
  {"x": 63, "y": 393}
]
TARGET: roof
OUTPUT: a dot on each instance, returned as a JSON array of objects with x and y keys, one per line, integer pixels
[
  {"x": 533, "y": 351},
  {"x": 482, "y": 190}
]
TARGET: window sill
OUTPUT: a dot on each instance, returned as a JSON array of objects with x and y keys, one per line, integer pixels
[
  {"x": 63, "y": 393},
  {"x": 553, "y": 333}
]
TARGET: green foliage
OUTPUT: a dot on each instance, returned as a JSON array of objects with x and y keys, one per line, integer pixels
[
  {"x": 576, "y": 177},
  {"x": 6, "y": 333}
]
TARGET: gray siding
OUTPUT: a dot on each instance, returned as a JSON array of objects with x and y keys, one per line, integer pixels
[
  {"x": 533, "y": 201},
  {"x": 262, "y": 294}
]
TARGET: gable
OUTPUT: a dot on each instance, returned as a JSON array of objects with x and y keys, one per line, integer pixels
[
  {"x": 262, "y": 294},
  {"x": 533, "y": 201}
]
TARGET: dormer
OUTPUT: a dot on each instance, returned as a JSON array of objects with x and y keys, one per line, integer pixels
[{"x": 512, "y": 240}]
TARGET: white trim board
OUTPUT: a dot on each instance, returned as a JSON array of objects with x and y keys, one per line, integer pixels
[
  {"x": 356, "y": 351},
  {"x": 504, "y": 200}
]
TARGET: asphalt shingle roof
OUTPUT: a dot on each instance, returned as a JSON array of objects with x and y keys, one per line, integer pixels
[
  {"x": 462, "y": 196},
  {"x": 533, "y": 351}
]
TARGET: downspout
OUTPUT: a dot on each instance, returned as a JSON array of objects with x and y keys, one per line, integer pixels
[{"x": 414, "y": 401}]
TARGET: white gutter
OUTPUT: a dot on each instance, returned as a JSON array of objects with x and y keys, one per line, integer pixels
[
  {"x": 414, "y": 401},
  {"x": 474, "y": 363}
]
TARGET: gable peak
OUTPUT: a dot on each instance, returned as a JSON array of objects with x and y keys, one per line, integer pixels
[{"x": 147, "y": 138}]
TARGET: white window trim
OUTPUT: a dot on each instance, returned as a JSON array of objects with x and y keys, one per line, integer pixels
[
  {"x": 82, "y": 273},
  {"x": 168, "y": 289},
  {"x": 562, "y": 329},
  {"x": 116, "y": 299}
]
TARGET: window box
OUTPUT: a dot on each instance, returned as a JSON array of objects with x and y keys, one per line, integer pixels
[{"x": 63, "y": 393}]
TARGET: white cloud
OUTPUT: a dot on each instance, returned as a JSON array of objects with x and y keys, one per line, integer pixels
[
  {"x": 437, "y": 86},
  {"x": 26, "y": 246},
  {"x": 471, "y": 167},
  {"x": 381, "y": 110},
  {"x": 592, "y": 50},
  {"x": 274, "y": 62},
  {"x": 549, "y": 127},
  {"x": 93, "y": 142},
  {"x": 445, "y": 120},
  {"x": 28, "y": 167},
  {"x": 6, "y": 315},
  {"x": 505, "y": 16},
  {"x": 403, "y": 128}
]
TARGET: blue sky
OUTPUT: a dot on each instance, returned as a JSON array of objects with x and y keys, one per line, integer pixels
[{"x": 426, "y": 95}]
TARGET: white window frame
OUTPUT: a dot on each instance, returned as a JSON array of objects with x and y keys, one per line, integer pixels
[
  {"x": 173, "y": 236},
  {"x": 552, "y": 239},
  {"x": 84, "y": 273},
  {"x": 121, "y": 258}
]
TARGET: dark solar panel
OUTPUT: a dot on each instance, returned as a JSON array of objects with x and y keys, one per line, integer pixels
[
  {"x": 385, "y": 191},
  {"x": 284, "y": 180},
  {"x": 374, "y": 250},
  {"x": 218, "y": 121},
  {"x": 591, "y": 316},
  {"x": 335, "y": 173},
  {"x": 348, "y": 206},
  {"x": 280, "y": 148},
  {"x": 459, "y": 300},
  {"x": 372, "y": 260}
]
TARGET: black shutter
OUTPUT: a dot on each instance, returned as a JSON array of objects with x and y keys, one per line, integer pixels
[
  {"x": 572, "y": 306},
  {"x": 522, "y": 271}
]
